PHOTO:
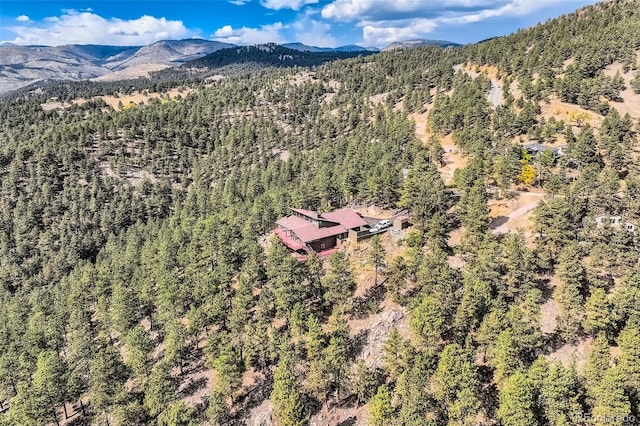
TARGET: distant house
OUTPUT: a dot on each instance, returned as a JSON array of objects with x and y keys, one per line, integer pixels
[
  {"x": 535, "y": 148},
  {"x": 305, "y": 230},
  {"x": 616, "y": 222}
]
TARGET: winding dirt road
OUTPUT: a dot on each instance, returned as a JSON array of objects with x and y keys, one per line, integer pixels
[{"x": 500, "y": 224}]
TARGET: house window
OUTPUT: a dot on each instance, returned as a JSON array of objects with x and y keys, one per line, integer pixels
[{"x": 322, "y": 246}]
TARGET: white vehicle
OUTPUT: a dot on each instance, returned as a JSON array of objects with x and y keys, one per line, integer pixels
[{"x": 383, "y": 224}]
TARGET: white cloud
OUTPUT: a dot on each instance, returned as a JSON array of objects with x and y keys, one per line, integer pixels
[
  {"x": 381, "y": 33},
  {"x": 265, "y": 34},
  {"x": 360, "y": 10},
  {"x": 313, "y": 32},
  {"x": 23, "y": 18},
  {"x": 286, "y": 4},
  {"x": 239, "y": 2},
  {"x": 383, "y": 21},
  {"x": 74, "y": 27}
]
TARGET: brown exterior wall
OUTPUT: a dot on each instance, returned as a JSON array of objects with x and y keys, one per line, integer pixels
[{"x": 328, "y": 242}]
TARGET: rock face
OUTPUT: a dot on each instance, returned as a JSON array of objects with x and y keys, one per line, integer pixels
[
  {"x": 380, "y": 330},
  {"x": 23, "y": 65}
]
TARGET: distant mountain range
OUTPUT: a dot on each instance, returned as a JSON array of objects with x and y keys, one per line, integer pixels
[
  {"x": 23, "y": 65},
  {"x": 412, "y": 44},
  {"x": 248, "y": 58},
  {"x": 350, "y": 48}
]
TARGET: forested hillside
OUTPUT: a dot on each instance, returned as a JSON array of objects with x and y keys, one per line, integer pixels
[{"x": 140, "y": 283}]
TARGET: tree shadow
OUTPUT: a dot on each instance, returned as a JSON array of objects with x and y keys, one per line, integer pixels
[
  {"x": 359, "y": 341},
  {"x": 369, "y": 303},
  {"x": 551, "y": 343},
  {"x": 488, "y": 395},
  {"x": 351, "y": 421},
  {"x": 192, "y": 387},
  {"x": 253, "y": 397},
  {"x": 543, "y": 285},
  {"x": 499, "y": 221},
  {"x": 193, "y": 362}
]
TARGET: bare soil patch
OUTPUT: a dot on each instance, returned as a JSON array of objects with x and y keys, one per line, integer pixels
[
  {"x": 452, "y": 158},
  {"x": 569, "y": 353},
  {"x": 136, "y": 97},
  {"x": 630, "y": 100},
  {"x": 142, "y": 70},
  {"x": 569, "y": 113}
]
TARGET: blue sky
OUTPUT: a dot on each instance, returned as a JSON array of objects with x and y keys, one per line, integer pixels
[{"x": 315, "y": 22}]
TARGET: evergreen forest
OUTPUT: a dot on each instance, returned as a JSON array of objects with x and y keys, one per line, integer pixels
[{"x": 140, "y": 282}]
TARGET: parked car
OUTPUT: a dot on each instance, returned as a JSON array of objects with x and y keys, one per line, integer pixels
[{"x": 383, "y": 224}]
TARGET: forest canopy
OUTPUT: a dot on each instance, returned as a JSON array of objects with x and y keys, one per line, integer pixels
[{"x": 139, "y": 283}]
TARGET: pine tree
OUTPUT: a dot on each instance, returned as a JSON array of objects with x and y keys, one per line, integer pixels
[
  {"x": 284, "y": 277},
  {"x": 286, "y": 394},
  {"x": 24, "y": 409},
  {"x": 553, "y": 225},
  {"x": 138, "y": 346},
  {"x": 597, "y": 363},
  {"x": 217, "y": 411},
  {"x": 228, "y": 373},
  {"x": 178, "y": 414},
  {"x": 426, "y": 322},
  {"x": 584, "y": 150},
  {"x": 315, "y": 339},
  {"x": 160, "y": 389},
  {"x": 629, "y": 342},
  {"x": 626, "y": 300},
  {"x": 504, "y": 356},
  {"x": 380, "y": 408},
  {"x": 438, "y": 279},
  {"x": 396, "y": 354},
  {"x": 175, "y": 343},
  {"x": 505, "y": 168},
  {"x": 48, "y": 385},
  {"x": 560, "y": 395},
  {"x": 106, "y": 379},
  {"x": 519, "y": 265},
  {"x": 314, "y": 273},
  {"x": 122, "y": 309},
  {"x": 338, "y": 283},
  {"x": 423, "y": 193},
  {"x": 362, "y": 381},
  {"x": 396, "y": 279},
  {"x": 611, "y": 401},
  {"x": 376, "y": 255},
  {"x": 298, "y": 320},
  {"x": 318, "y": 381},
  {"x": 455, "y": 373},
  {"x": 516, "y": 402},
  {"x": 598, "y": 313},
  {"x": 568, "y": 293},
  {"x": 525, "y": 320},
  {"x": 474, "y": 215}
]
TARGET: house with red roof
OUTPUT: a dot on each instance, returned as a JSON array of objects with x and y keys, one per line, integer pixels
[{"x": 305, "y": 230}]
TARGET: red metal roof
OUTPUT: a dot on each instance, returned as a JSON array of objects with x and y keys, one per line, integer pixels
[
  {"x": 312, "y": 233},
  {"x": 294, "y": 222},
  {"x": 307, "y": 231},
  {"x": 348, "y": 218},
  {"x": 307, "y": 213}
]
